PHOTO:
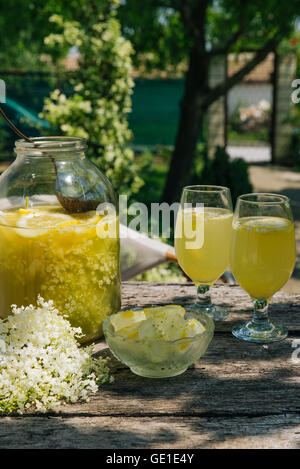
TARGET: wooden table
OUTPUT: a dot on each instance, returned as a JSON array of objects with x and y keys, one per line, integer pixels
[{"x": 239, "y": 395}]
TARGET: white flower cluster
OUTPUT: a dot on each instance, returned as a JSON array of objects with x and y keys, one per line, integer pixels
[{"x": 41, "y": 363}]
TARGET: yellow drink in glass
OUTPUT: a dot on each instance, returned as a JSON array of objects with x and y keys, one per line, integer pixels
[
  {"x": 262, "y": 259},
  {"x": 67, "y": 258},
  {"x": 263, "y": 254},
  {"x": 203, "y": 240},
  {"x": 205, "y": 264}
]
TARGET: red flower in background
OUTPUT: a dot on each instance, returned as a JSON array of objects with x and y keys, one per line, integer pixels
[{"x": 294, "y": 41}]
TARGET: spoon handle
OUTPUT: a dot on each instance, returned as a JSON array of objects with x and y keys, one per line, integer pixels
[{"x": 14, "y": 128}]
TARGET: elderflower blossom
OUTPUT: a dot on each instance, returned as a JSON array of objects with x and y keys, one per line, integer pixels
[{"x": 41, "y": 362}]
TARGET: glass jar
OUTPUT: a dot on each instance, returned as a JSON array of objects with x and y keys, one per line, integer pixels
[{"x": 68, "y": 254}]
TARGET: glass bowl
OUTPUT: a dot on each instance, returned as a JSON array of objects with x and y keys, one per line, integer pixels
[{"x": 160, "y": 358}]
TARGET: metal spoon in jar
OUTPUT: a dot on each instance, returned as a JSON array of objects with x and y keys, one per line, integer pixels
[{"x": 70, "y": 204}]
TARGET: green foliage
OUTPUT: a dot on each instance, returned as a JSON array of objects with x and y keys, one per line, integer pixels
[
  {"x": 222, "y": 171},
  {"x": 291, "y": 45},
  {"x": 293, "y": 158},
  {"x": 101, "y": 101},
  {"x": 293, "y": 119},
  {"x": 24, "y": 24},
  {"x": 154, "y": 175},
  {"x": 218, "y": 171},
  {"x": 162, "y": 273},
  {"x": 261, "y": 135},
  {"x": 156, "y": 29},
  {"x": 163, "y": 31},
  {"x": 154, "y": 26},
  {"x": 4, "y": 139}
]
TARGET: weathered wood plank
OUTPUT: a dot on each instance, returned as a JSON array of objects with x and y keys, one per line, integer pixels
[
  {"x": 117, "y": 433},
  {"x": 284, "y": 308},
  {"x": 233, "y": 378}
]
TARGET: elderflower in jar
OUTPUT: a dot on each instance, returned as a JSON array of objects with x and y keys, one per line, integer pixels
[{"x": 70, "y": 256}]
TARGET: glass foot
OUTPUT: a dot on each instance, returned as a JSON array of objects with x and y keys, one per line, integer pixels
[
  {"x": 263, "y": 334},
  {"x": 215, "y": 312}
]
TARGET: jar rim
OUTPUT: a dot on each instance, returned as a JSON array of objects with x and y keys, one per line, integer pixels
[{"x": 55, "y": 143}]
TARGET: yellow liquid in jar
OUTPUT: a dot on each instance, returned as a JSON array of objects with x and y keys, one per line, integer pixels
[
  {"x": 62, "y": 257},
  {"x": 205, "y": 264},
  {"x": 263, "y": 254}
]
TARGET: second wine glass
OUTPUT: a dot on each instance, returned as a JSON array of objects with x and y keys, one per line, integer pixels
[
  {"x": 203, "y": 241},
  {"x": 262, "y": 259}
]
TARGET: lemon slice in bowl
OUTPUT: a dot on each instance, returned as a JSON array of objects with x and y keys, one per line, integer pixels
[
  {"x": 121, "y": 321},
  {"x": 162, "y": 326},
  {"x": 130, "y": 332},
  {"x": 168, "y": 309},
  {"x": 193, "y": 327}
]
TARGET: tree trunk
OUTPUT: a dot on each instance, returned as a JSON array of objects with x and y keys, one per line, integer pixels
[{"x": 191, "y": 116}]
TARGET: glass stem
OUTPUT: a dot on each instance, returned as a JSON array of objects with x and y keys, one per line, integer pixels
[
  {"x": 261, "y": 317},
  {"x": 203, "y": 297}
]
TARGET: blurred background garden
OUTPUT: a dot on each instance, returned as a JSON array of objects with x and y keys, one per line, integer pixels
[{"x": 167, "y": 92}]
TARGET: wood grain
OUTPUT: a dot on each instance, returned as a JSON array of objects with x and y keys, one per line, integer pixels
[
  {"x": 118, "y": 433},
  {"x": 284, "y": 308}
]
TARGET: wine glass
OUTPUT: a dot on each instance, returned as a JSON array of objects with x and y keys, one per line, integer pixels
[
  {"x": 262, "y": 258},
  {"x": 203, "y": 240}
]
